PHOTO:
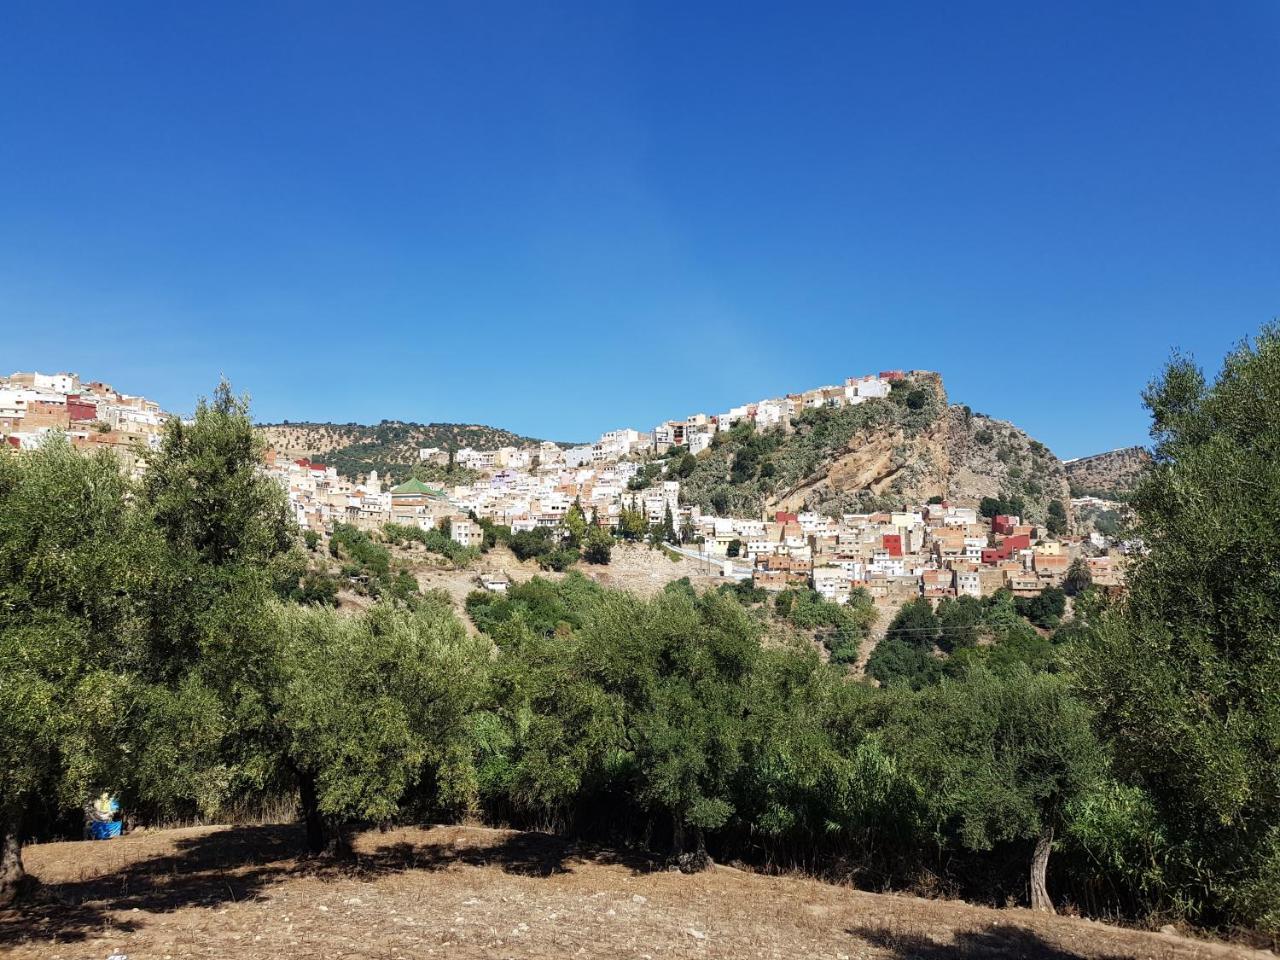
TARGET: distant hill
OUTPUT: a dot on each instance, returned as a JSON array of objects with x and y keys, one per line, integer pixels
[
  {"x": 880, "y": 455},
  {"x": 390, "y": 447},
  {"x": 1111, "y": 475}
]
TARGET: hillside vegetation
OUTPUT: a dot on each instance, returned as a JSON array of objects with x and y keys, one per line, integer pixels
[
  {"x": 990, "y": 458},
  {"x": 1112, "y": 475},
  {"x": 390, "y": 447}
]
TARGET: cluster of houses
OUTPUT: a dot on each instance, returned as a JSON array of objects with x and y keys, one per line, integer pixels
[
  {"x": 91, "y": 414},
  {"x": 934, "y": 550},
  {"x": 520, "y": 499},
  {"x": 534, "y": 486},
  {"x": 697, "y": 431},
  {"x": 504, "y": 458},
  {"x": 694, "y": 432}
]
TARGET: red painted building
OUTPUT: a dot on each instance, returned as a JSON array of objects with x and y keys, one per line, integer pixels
[
  {"x": 80, "y": 410},
  {"x": 1002, "y": 524},
  {"x": 892, "y": 544},
  {"x": 1006, "y": 549}
]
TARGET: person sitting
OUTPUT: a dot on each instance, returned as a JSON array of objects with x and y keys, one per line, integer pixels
[
  {"x": 105, "y": 808},
  {"x": 104, "y": 817}
]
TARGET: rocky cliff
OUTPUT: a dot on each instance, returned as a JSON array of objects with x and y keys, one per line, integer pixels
[{"x": 880, "y": 455}]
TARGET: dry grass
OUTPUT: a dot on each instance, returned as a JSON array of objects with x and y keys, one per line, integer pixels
[{"x": 469, "y": 892}]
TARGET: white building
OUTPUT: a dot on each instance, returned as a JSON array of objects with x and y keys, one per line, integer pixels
[
  {"x": 14, "y": 400},
  {"x": 477, "y": 459},
  {"x": 772, "y": 413},
  {"x": 889, "y": 566},
  {"x": 831, "y": 583},
  {"x": 699, "y": 441},
  {"x": 466, "y": 531},
  {"x": 616, "y": 444},
  {"x": 868, "y": 388},
  {"x": 577, "y": 456},
  {"x": 63, "y": 383}
]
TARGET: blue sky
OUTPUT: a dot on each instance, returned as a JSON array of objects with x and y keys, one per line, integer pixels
[{"x": 562, "y": 218}]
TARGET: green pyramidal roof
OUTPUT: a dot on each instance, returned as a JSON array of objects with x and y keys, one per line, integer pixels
[{"x": 416, "y": 486}]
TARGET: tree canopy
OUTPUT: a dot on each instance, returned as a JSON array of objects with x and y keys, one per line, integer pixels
[{"x": 1184, "y": 673}]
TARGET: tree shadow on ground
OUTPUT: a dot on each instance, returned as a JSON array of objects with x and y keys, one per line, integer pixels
[
  {"x": 240, "y": 863},
  {"x": 999, "y": 942},
  {"x": 527, "y": 854}
]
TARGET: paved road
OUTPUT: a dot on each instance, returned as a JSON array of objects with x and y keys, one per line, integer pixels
[{"x": 713, "y": 565}]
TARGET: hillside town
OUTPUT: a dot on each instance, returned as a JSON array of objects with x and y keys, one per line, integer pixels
[
  {"x": 534, "y": 486},
  {"x": 933, "y": 550},
  {"x": 93, "y": 415}
]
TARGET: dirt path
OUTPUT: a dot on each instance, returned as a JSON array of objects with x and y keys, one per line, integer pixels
[{"x": 239, "y": 894}]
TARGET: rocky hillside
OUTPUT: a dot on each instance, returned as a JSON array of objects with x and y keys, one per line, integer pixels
[
  {"x": 993, "y": 458},
  {"x": 391, "y": 447},
  {"x": 1109, "y": 475},
  {"x": 880, "y": 455}
]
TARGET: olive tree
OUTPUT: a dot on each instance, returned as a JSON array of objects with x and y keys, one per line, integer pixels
[
  {"x": 206, "y": 491},
  {"x": 368, "y": 708},
  {"x": 679, "y": 664},
  {"x": 999, "y": 759},
  {"x": 67, "y": 628},
  {"x": 1184, "y": 672}
]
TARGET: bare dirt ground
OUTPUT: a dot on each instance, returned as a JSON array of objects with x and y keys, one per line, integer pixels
[
  {"x": 240, "y": 893},
  {"x": 645, "y": 571},
  {"x": 637, "y": 568}
]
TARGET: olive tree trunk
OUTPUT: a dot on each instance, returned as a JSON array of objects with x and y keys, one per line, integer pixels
[
  {"x": 337, "y": 839},
  {"x": 311, "y": 813},
  {"x": 685, "y": 861},
  {"x": 326, "y": 836},
  {"x": 11, "y": 870},
  {"x": 1040, "y": 869}
]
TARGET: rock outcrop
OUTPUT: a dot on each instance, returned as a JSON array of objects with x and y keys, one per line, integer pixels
[{"x": 1107, "y": 474}]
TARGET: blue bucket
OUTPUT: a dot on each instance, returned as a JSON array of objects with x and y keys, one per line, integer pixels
[{"x": 104, "y": 831}]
